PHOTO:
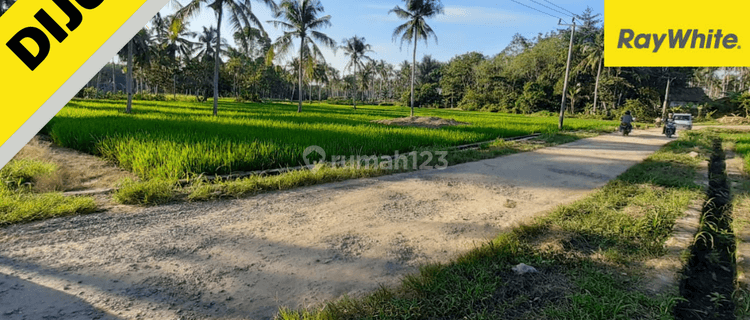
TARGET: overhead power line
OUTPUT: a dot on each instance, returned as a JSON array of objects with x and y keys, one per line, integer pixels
[
  {"x": 573, "y": 14},
  {"x": 535, "y": 9},
  {"x": 558, "y": 11}
]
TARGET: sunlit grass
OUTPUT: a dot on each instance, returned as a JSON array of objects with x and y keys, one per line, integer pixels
[
  {"x": 20, "y": 203},
  {"x": 172, "y": 140}
]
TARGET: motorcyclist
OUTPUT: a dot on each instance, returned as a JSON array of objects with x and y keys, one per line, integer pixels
[
  {"x": 669, "y": 125},
  {"x": 670, "y": 118},
  {"x": 627, "y": 120}
]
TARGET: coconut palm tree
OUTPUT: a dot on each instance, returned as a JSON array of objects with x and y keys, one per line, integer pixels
[
  {"x": 367, "y": 76},
  {"x": 5, "y": 5},
  {"x": 321, "y": 77},
  {"x": 207, "y": 44},
  {"x": 141, "y": 44},
  {"x": 387, "y": 74},
  {"x": 240, "y": 15},
  {"x": 415, "y": 28},
  {"x": 249, "y": 37},
  {"x": 333, "y": 76},
  {"x": 178, "y": 42},
  {"x": 594, "y": 58},
  {"x": 299, "y": 19},
  {"x": 356, "y": 49}
]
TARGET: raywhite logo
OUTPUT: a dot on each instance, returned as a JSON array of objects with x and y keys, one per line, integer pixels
[{"x": 678, "y": 39}]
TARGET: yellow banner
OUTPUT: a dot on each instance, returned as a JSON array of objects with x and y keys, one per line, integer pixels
[
  {"x": 43, "y": 43},
  {"x": 685, "y": 33}
]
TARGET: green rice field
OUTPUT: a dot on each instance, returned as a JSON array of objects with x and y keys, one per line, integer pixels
[
  {"x": 172, "y": 140},
  {"x": 741, "y": 141}
]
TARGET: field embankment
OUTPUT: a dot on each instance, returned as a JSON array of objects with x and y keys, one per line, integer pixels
[{"x": 708, "y": 280}]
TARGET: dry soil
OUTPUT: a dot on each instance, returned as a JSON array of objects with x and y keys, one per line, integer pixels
[{"x": 245, "y": 258}]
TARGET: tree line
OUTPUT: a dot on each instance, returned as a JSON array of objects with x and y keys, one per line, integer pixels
[{"x": 526, "y": 77}]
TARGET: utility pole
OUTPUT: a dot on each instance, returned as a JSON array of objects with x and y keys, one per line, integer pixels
[
  {"x": 666, "y": 103},
  {"x": 567, "y": 69}
]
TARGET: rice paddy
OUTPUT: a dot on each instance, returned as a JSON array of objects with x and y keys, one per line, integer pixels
[{"x": 173, "y": 140}]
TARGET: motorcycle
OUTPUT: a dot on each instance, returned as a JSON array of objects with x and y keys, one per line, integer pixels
[
  {"x": 625, "y": 128},
  {"x": 670, "y": 129}
]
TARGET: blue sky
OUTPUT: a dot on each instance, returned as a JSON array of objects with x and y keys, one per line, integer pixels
[{"x": 483, "y": 26}]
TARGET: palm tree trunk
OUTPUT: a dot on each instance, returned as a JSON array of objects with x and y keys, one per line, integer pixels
[
  {"x": 742, "y": 79},
  {"x": 216, "y": 63},
  {"x": 380, "y": 92},
  {"x": 596, "y": 87},
  {"x": 301, "y": 47},
  {"x": 98, "y": 82},
  {"x": 724, "y": 82},
  {"x": 114, "y": 83},
  {"x": 356, "y": 87},
  {"x": 413, "y": 69},
  {"x": 129, "y": 85}
]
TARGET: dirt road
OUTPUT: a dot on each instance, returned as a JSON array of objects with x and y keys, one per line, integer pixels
[{"x": 244, "y": 258}]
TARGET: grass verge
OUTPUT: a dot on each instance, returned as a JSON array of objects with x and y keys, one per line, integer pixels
[
  {"x": 19, "y": 201},
  {"x": 160, "y": 191},
  {"x": 739, "y": 142},
  {"x": 708, "y": 278},
  {"x": 589, "y": 256}
]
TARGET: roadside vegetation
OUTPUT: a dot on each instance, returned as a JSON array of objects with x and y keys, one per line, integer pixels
[
  {"x": 22, "y": 201},
  {"x": 160, "y": 190},
  {"x": 738, "y": 143},
  {"x": 172, "y": 146},
  {"x": 588, "y": 254},
  {"x": 179, "y": 140}
]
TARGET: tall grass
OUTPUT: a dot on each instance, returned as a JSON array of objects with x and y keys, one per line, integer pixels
[
  {"x": 20, "y": 203},
  {"x": 170, "y": 140}
]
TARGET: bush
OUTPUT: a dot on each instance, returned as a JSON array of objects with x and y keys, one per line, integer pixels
[
  {"x": 249, "y": 97},
  {"x": 109, "y": 95},
  {"x": 639, "y": 110},
  {"x": 494, "y": 107},
  {"x": 588, "y": 116},
  {"x": 87, "y": 93},
  {"x": 543, "y": 114},
  {"x": 468, "y": 105},
  {"x": 340, "y": 102},
  {"x": 149, "y": 97},
  {"x": 533, "y": 98}
]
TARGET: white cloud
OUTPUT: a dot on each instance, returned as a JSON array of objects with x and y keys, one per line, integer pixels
[{"x": 483, "y": 16}]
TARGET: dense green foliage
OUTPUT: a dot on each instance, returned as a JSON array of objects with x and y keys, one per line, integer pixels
[{"x": 180, "y": 139}]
